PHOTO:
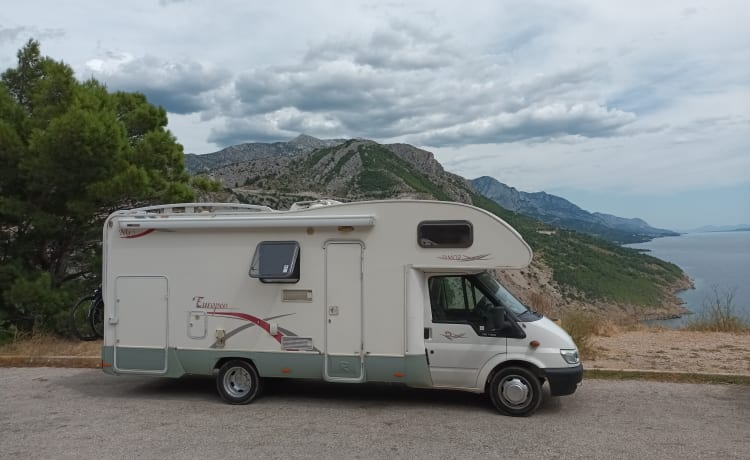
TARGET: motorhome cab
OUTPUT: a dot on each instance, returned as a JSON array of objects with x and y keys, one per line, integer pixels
[{"x": 381, "y": 291}]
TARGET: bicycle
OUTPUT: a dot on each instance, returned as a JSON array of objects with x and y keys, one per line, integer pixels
[{"x": 87, "y": 317}]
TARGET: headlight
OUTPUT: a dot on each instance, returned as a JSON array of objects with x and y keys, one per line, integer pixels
[{"x": 570, "y": 356}]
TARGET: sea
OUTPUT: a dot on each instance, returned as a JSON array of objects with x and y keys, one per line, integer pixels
[{"x": 714, "y": 260}]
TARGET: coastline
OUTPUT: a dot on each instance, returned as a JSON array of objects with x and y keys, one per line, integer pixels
[
  {"x": 539, "y": 291},
  {"x": 674, "y": 306}
]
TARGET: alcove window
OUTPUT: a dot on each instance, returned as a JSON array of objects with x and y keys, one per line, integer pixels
[{"x": 445, "y": 234}]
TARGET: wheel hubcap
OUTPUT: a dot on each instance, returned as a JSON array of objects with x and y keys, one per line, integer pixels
[
  {"x": 514, "y": 391},
  {"x": 237, "y": 382}
]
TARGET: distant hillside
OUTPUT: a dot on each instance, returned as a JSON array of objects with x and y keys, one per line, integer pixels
[
  {"x": 721, "y": 228},
  {"x": 197, "y": 164},
  {"x": 560, "y": 212},
  {"x": 569, "y": 268}
]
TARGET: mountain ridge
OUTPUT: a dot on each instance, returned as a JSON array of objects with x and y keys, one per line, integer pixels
[
  {"x": 720, "y": 228},
  {"x": 558, "y": 211},
  {"x": 203, "y": 163}
]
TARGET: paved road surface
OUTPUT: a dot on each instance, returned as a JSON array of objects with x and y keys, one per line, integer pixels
[{"x": 74, "y": 413}]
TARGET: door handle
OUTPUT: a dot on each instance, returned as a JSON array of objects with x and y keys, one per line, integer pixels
[{"x": 427, "y": 333}]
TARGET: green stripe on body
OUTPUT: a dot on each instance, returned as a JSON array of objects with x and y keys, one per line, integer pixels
[{"x": 410, "y": 369}]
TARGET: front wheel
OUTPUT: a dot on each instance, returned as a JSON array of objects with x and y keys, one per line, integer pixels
[
  {"x": 238, "y": 382},
  {"x": 515, "y": 391}
]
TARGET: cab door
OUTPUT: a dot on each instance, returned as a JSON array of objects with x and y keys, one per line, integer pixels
[{"x": 458, "y": 340}]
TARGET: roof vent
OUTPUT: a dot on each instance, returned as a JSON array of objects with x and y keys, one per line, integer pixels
[{"x": 312, "y": 204}]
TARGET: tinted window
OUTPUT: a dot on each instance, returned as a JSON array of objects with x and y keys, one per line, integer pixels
[
  {"x": 463, "y": 300},
  {"x": 445, "y": 234},
  {"x": 276, "y": 261},
  {"x": 457, "y": 299}
]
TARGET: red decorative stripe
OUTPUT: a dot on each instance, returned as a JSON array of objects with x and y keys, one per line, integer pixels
[
  {"x": 137, "y": 235},
  {"x": 253, "y": 319}
]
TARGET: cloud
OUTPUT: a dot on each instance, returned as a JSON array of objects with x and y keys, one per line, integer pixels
[
  {"x": 536, "y": 123},
  {"x": 278, "y": 125},
  {"x": 12, "y": 34},
  {"x": 181, "y": 87},
  {"x": 402, "y": 46},
  {"x": 171, "y": 2},
  {"x": 406, "y": 82}
]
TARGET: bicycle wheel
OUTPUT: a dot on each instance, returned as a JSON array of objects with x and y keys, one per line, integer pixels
[
  {"x": 96, "y": 318},
  {"x": 80, "y": 320}
]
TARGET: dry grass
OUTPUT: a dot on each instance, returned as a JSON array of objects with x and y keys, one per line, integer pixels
[
  {"x": 719, "y": 314},
  {"x": 543, "y": 304},
  {"x": 582, "y": 326},
  {"x": 50, "y": 345}
]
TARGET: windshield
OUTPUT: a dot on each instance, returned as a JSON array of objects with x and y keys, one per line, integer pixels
[{"x": 503, "y": 295}]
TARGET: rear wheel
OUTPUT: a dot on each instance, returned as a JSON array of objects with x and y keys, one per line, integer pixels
[
  {"x": 515, "y": 391},
  {"x": 80, "y": 319},
  {"x": 238, "y": 382}
]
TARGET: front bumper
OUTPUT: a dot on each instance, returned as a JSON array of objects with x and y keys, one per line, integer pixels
[{"x": 564, "y": 381}]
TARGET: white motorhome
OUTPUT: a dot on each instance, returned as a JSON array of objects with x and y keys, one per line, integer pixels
[{"x": 380, "y": 291}]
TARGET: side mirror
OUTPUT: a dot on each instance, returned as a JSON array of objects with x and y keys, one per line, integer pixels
[{"x": 498, "y": 318}]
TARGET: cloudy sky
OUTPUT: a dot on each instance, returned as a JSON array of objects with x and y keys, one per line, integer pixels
[{"x": 637, "y": 108}]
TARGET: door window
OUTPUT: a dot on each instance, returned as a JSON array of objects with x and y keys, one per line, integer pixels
[{"x": 456, "y": 299}]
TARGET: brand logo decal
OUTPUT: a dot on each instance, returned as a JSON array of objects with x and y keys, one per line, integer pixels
[
  {"x": 131, "y": 233},
  {"x": 453, "y": 336},
  {"x": 464, "y": 258},
  {"x": 203, "y": 304}
]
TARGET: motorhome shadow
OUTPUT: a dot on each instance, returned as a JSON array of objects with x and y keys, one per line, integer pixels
[{"x": 380, "y": 291}]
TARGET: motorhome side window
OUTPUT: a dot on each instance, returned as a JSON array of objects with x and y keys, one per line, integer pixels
[
  {"x": 276, "y": 262},
  {"x": 445, "y": 234}
]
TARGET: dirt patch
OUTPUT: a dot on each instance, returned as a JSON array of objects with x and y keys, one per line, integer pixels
[{"x": 673, "y": 350}]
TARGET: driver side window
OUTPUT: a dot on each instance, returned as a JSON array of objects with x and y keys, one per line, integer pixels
[{"x": 454, "y": 299}]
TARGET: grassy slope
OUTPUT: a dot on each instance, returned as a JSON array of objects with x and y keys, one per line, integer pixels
[
  {"x": 587, "y": 268},
  {"x": 380, "y": 166}
]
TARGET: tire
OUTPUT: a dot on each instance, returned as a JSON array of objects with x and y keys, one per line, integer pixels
[
  {"x": 96, "y": 318},
  {"x": 238, "y": 382},
  {"x": 80, "y": 320},
  {"x": 515, "y": 391}
]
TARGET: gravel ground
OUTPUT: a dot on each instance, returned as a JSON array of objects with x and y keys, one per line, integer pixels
[
  {"x": 669, "y": 350},
  {"x": 81, "y": 413}
]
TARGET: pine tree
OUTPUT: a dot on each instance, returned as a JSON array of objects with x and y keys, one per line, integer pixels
[{"x": 72, "y": 152}]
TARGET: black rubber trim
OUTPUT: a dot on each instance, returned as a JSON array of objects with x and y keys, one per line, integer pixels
[{"x": 564, "y": 381}]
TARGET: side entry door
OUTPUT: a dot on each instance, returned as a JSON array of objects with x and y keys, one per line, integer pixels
[
  {"x": 141, "y": 324},
  {"x": 459, "y": 340},
  {"x": 343, "y": 322}
]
